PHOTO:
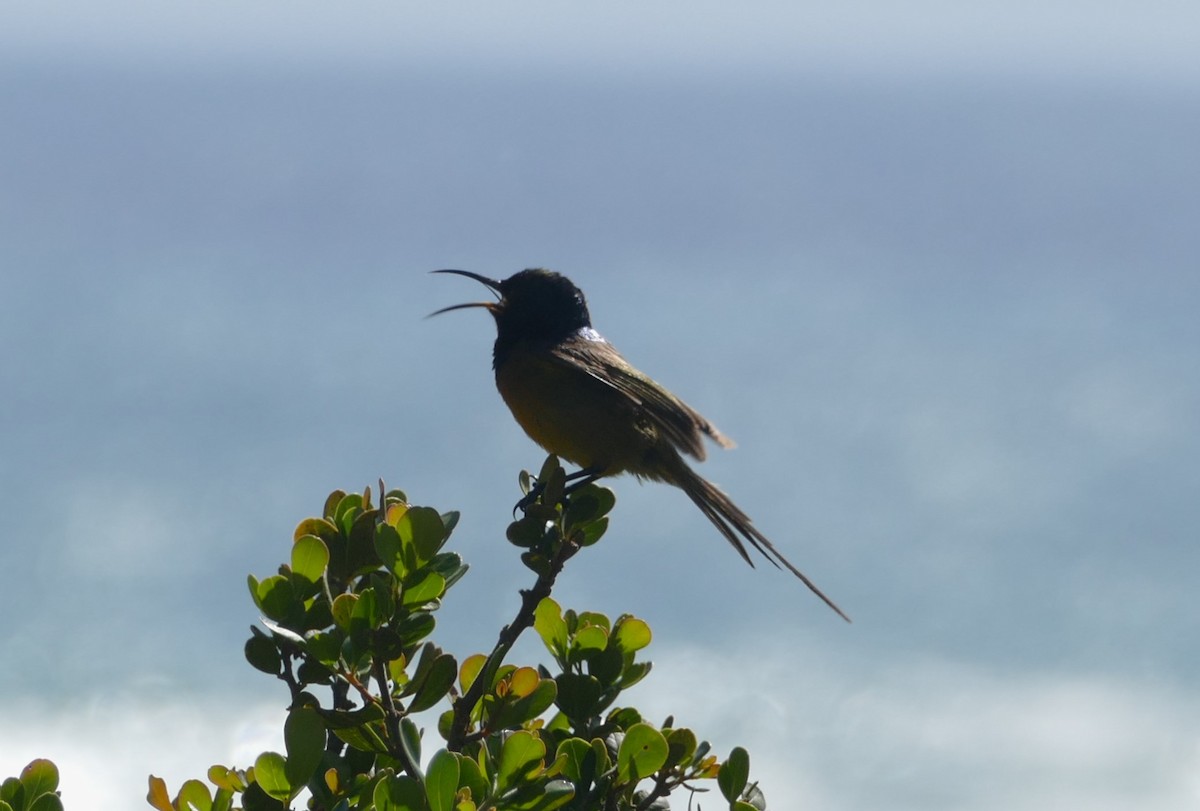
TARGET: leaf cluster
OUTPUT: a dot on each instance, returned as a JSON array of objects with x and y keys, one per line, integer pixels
[
  {"x": 346, "y": 627},
  {"x": 36, "y": 789}
]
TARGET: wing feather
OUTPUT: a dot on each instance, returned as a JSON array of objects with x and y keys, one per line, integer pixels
[{"x": 679, "y": 422}]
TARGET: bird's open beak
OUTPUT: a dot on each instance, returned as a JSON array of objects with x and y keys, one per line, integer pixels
[{"x": 492, "y": 284}]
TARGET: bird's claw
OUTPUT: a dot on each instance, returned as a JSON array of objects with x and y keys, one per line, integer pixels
[{"x": 529, "y": 498}]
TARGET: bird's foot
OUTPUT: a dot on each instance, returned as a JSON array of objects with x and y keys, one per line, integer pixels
[
  {"x": 535, "y": 492},
  {"x": 573, "y": 481}
]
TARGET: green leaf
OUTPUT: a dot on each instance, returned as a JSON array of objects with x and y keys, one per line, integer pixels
[
  {"x": 270, "y": 772},
  {"x": 555, "y": 793},
  {"x": 734, "y": 773},
  {"x": 397, "y": 669},
  {"x": 341, "y": 719},
  {"x": 255, "y": 799},
  {"x": 558, "y": 722},
  {"x": 555, "y": 487},
  {"x": 587, "y": 618},
  {"x": 331, "y": 503},
  {"x": 422, "y": 529},
  {"x": 310, "y": 556},
  {"x": 311, "y": 671},
  {"x": 624, "y": 718},
  {"x": 334, "y": 541},
  {"x": 360, "y": 543},
  {"x": 223, "y": 800},
  {"x": 324, "y": 646},
  {"x": 274, "y": 597},
  {"x": 576, "y": 752},
  {"x": 527, "y": 531},
  {"x": 643, "y": 751},
  {"x": 589, "y": 503},
  {"x": 536, "y": 562},
  {"x": 445, "y": 723},
  {"x": 522, "y": 681},
  {"x": 225, "y": 778},
  {"x": 390, "y": 549},
  {"x": 395, "y": 509},
  {"x": 347, "y": 509},
  {"x": 39, "y": 777},
  {"x": 47, "y": 802},
  {"x": 416, "y": 627},
  {"x": 366, "y": 613},
  {"x": 304, "y": 737},
  {"x": 578, "y": 696},
  {"x": 437, "y": 682},
  {"x": 500, "y": 674},
  {"x": 12, "y": 792},
  {"x": 365, "y": 738},
  {"x": 581, "y": 509},
  {"x": 343, "y": 610},
  {"x": 631, "y": 634},
  {"x": 635, "y": 673},
  {"x": 591, "y": 532},
  {"x": 526, "y": 707},
  {"x": 194, "y": 796},
  {"x": 429, "y": 653},
  {"x": 262, "y": 654},
  {"x": 401, "y": 793},
  {"x": 410, "y": 739},
  {"x": 441, "y": 781},
  {"x": 520, "y": 755},
  {"x": 537, "y": 702},
  {"x": 606, "y": 665},
  {"x": 450, "y": 566},
  {"x": 471, "y": 776},
  {"x": 682, "y": 744},
  {"x": 600, "y": 752},
  {"x": 318, "y": 527},
  {"x": 427, "y": 589},
  {"x": 593, "y": 638},
  {"x": 471, "y": 667},
  {"x": 548, "y": 622},
  {"x": 385, "y": 587},
  {"x": 280, "y": 632}
]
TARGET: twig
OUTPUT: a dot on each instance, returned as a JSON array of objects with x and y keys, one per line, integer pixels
[
  {"x": 508, "y": 636},
  {"x": 662, "y": 787},
  {"x": 391, "y": 719}
]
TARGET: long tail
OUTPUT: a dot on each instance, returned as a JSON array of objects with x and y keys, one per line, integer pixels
[{"x": 733, "y": 523}]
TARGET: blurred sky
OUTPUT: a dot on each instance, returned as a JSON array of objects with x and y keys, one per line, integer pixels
[{"x": 934, "y": 267}]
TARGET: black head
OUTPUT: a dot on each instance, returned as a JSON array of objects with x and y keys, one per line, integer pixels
[
  {"x": 541, "y": 305},
  {"x": 536, "y": 305}
]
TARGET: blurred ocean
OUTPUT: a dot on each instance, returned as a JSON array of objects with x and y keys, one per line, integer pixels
[{"x": 950, "y": 321}]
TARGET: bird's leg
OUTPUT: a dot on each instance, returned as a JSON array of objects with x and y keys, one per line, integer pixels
[
  {"x": 579, "y": 478},
  {"x": 582, "y": 478}
]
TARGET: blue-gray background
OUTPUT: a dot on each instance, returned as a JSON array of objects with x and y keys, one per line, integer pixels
[{"x": 935, "y": 271}]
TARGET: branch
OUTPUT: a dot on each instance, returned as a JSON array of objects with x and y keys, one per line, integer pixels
[
  {"x": 391, "y": 719},
  {"x": 662, "y": 787},
  {"x": 508, "y": 636}
]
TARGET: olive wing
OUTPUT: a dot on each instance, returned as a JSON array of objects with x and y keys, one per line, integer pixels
[{"x": 678, "y": 421}]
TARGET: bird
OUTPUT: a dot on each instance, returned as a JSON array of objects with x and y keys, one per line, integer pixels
[{"x": 577, "y": 397}]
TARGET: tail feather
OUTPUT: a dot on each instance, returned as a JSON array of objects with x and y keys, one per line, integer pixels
[{"x": 736, "y": 525}]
